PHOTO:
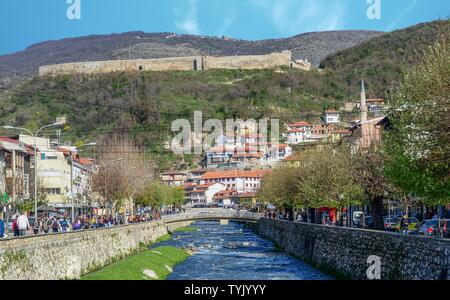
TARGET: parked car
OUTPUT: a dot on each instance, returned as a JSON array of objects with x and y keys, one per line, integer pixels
[
  {"x": 357, "y": 218},
  {"x": 389, "y": 223},
  {"x": 413, "y": 225},
  {"x": 430, "y": 227}
]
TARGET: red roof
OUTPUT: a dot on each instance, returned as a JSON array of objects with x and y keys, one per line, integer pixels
[
  {"x": 85, "y": 161},
  {"x": 9, "y": 140},
  {"x": 299, "y": 124},
  {"x": 295, "y": 130},
  {"x": 234, "y": 174}
]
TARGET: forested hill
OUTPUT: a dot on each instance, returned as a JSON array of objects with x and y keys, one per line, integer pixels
[
  {"x": 383, "y": 58},
  {"x": 144, "y": 104}
]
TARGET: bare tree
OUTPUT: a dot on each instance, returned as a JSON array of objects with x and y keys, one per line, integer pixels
[{"x": 124, "y": 169}]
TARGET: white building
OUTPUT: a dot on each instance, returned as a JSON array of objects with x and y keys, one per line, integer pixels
[
  {"x": 299, "y": 132},
  {"x": 241, "y": 181},
  {"x": 331, "y": 117},
  {"x": 204, "y": 193}
]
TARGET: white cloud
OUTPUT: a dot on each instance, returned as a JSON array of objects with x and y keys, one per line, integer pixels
[
  {"x": 188, "y": 22},
  {"x": 401, "y": 16},
  {"x": 228, "y": 20},
  {"x": 292, "y": 17}
]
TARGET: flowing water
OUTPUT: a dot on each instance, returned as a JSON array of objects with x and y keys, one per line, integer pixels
[{"x": 234, "y": 252}]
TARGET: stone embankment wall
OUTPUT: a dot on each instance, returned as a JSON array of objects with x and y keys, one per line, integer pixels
[
  {"x": 176, "y": 63},
  {"x": 70, "y": 255},
  {"x": 345, "y": 251}
]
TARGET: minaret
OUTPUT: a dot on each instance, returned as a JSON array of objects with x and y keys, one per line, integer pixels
[{"x": 363, "y": 106}]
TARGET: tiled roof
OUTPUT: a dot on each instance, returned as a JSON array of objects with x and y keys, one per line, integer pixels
[
  {"x": 234, "y": 174},
  {"x": 9, "y": 140},
  {"x": 173, "y": 173},
  {"x": 299, "y": 124},
  {"x": 295, "y": 130}
]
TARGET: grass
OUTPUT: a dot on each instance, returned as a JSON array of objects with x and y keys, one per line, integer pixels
[
  {"x": 186, "y": 229},
  {"x": 164, "y": 238},
  {"x": 132, "y": 267}
]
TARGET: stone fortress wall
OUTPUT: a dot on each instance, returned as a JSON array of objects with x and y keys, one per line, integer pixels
[{"x": 192, "y": 63}]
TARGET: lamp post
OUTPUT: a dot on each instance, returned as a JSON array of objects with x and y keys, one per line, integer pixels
[
  {"x": 35, "y": 155},
  {"x": 72, "y": 198}
]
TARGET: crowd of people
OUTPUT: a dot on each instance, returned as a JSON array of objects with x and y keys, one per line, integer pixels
[{"x": 53, "y": 223}]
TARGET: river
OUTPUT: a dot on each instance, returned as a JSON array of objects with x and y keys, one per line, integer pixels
[{"x": 234, "y": 252}]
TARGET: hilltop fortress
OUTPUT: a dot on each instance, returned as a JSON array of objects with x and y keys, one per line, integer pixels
[{"x": 192, "y": 63}]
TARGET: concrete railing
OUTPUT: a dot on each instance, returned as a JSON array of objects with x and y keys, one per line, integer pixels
[{"x": 212, "y": 214}]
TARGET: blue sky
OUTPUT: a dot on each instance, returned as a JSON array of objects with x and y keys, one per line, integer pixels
[{"x": 25, "y": 22}]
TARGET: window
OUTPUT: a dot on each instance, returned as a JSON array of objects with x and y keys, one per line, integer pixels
[{"x": 53, "y": 191}]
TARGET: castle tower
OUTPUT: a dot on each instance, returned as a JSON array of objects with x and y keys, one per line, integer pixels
[{"x": 363, "y": 105}]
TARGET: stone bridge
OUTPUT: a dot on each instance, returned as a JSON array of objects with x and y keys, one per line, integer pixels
[{"x": 223, "y": 215}]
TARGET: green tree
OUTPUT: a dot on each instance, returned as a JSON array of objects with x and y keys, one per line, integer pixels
[
  {"x": 327, "y": 178},
  {"x": 418, "y": 146},
  {"x": 368, "y": 172},
  {"x": 280, "y": 188}
]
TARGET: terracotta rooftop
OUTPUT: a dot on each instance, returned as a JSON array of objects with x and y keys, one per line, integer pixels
[
  {"x": 234, "y": 174},
  {"x": 299, "y": 124},
  {"x": 174, "y": 173}
]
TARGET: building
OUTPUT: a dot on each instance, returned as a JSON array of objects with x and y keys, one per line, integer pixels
[
  {"x": 224, "y": 198},
  {"x": 58, "y": 178},
  {"x": 16, "y": 169},
  {"x": 241, "y": 181},
  {"x": 245, "y": 200},
  {"x": 194, "y": 175},
  {"x": 203, "y": 194},
  {"x": 331, "y": 117},
  {"x": 299, "y": 132},
  {"x": 366, "y": 132},
  {"x": 374, "y": 106},
  {"x": 174, "y": 178}
]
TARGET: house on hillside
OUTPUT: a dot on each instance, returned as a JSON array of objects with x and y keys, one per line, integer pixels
[
  {"x": 331, "y": 117},
  {"x": 174, "y": 178}
]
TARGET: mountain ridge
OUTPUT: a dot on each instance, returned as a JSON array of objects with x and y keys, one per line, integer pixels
[{"x": 314, "y": 46}]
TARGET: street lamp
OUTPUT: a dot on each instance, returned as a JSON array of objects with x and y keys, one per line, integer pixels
[
  {"x": 72, "y": 198},
  {"x": 35, "y": 155}
]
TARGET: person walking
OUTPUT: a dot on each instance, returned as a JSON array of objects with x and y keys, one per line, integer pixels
[
  {"x": 55, "y": 225},
  {"x": 15, "y": 228},
  {"x": 23, "y": 224},
  {"x": 2, "y": 229},
  {"x": 404, "y": 224},
  {"x": 46, "y": 223}
]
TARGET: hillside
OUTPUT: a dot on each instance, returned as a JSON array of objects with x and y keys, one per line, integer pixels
[
  {"x": 383, "y": 58},
  {"x": 312, "y": 46},
  {"x": 144, "y": 104}
]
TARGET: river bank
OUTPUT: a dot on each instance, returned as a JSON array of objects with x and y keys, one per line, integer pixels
[{"x": 150, "y": 263}]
